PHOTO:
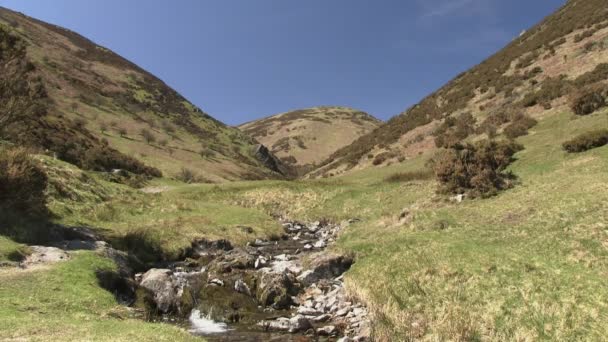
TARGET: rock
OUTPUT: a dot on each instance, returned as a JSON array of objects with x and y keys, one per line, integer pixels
[
  {"x": 458, "y": 198},
  {"x": 321, "y": 319},
  {"x": 238, "y": 259},
  {"x": 306, "y": 311},
  {"x": 205, "y": 247},
  {"x": 359, "y": 312},
  {"x": 308, "y": 247},
  {"x": 260, "y": 243},
  {"x": 320, "y": 244},
  {"x": 325, "y": 266},
  {"x": 292, "y": 325},
  {"x": 241, "y": 287},
  {"x": 343, "y": 312},
  {"x": 44, "y": 255},
  {"x": 307, "y": 278},
  {"x": 280, "y": 324},
  {"x": 260, "y": 262},
  {"x": 216, "y": 282},
  {"x": 299, "y": 323},
  {"x": 329, "y": 330},
  {"x": 170, "y": 292},
  {"x": 275, "y": 289},
  {"x": 282, "y": 257}
]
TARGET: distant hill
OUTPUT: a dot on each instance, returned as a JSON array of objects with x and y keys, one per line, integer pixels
[
  {"x": 535, "y": 74},
  {"x": 62, "y": 93},
  {"x": 303, "y": 138}
]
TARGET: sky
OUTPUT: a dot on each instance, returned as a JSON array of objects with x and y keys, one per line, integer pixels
[{"x": 240, "y": 60}]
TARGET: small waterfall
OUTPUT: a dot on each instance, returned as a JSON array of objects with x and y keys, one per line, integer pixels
[{"x": 205, "y": 325}]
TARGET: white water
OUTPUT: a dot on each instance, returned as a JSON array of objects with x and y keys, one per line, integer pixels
[{"x": 205, "y": 325}]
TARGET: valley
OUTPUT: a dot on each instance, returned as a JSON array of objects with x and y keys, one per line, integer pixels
[{"x": 479, "y": 214}]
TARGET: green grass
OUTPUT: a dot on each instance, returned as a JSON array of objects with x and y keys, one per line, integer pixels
[
  {"x": 64, "y": 303},
  {"x": 10, "y": 250},
  {"x": 528, "y": 264}
]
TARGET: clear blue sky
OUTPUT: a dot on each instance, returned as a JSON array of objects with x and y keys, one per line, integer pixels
[{"x": 244, "y": 59}]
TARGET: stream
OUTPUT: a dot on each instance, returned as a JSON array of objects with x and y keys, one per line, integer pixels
[{"x": 290, "y": 289}]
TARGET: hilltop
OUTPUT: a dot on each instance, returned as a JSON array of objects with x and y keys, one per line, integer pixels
[
  {"x": 534, "y": 76},
  {"x": 93, "y": 108},
  {"x": 303, "y": 138}
]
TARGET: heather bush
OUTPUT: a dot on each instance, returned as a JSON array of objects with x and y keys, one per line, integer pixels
[
  {"x": 589, "y": 100},
  {"x": 587, "y": 141},
  {"x": 22, "y": 183},
  {"x": 148, "y": 136},
  {"x": 477, "y": 169},
  {"x": 519, "y": 126},
  {"x": 454, "y": 129},
  {"x": 403, "y": 177}
]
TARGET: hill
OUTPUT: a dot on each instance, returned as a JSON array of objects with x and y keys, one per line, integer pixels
[
  {"x": 534, "y": 75},
  {"x": 65, "y": 94},
  {"x": 303, "y": 138}
]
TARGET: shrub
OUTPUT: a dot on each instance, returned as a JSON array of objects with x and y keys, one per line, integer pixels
[
  {"x": 551, "y": 89},
  {"x": 587, "y": 141},
  {"x": 189, "y": 176},
  {"x": 454, "y": 130},
  {"x": 207, "y": 153},
  {"x": 80, "y": 123},
  {"x": 478, "y": 169},
  {"x": 122, "y": 131},
  {"x": 148, "y": 136},
  {"x": 409, "y": 176},
  {"x": 382, "y": 157},
  {"x": 519, "y": 126},
  {"x": 22, "y": 183},
  {"x": 589, "y": 100}
]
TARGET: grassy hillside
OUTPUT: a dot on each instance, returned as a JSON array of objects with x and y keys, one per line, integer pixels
[
  {"x": 535, "y": 72},
  {"x": 303, "y": 138},
  {"x": 90, "y": 99}
]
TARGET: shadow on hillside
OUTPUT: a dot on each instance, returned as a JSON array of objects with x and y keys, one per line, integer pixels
[{"x": 143, "y": 248}]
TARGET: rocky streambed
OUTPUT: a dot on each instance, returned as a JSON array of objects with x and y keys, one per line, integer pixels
[{"x": 290, "y": 289}]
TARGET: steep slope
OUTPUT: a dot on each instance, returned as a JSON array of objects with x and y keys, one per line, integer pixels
[
  {"x": 93, "y": 108},
  {"x": 302, "y": 138},
  {"x": 533, "y": 76}
]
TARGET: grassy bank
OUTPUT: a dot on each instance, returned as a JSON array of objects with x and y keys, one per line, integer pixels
[{"x": 64, "y": 302}]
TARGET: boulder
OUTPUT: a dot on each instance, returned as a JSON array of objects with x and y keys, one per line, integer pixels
[
  {"x": 162, "y": 287},
  {"x": 299, "y": 323},
  {"x": 44, "y": 255},
  {"x": 276, "y": 289},
  {"x": 170, "y": 292}
]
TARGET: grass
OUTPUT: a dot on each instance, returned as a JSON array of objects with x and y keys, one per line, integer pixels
[
  {"x": 528, "y": 264},
  {"x": 64, "y": 303},
  {"x": 9, "y": 250}
]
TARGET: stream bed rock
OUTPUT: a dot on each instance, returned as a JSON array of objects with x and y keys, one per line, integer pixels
[{"x": 290, "y": 286}]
